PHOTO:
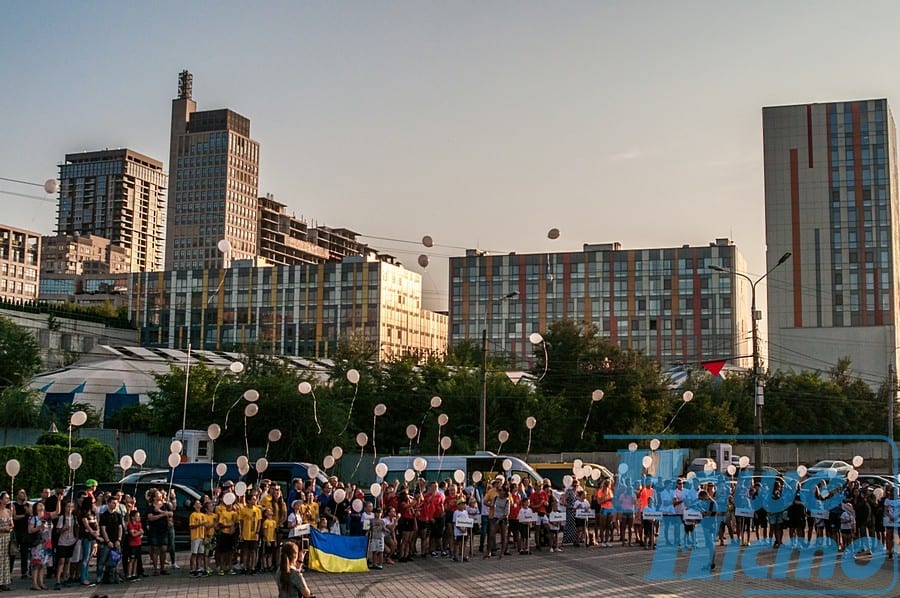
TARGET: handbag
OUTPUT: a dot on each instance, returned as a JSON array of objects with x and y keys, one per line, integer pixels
[{"x": 13, "y": 546}]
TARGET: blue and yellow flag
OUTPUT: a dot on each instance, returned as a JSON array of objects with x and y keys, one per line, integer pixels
[{"x": 331, "y": 553}]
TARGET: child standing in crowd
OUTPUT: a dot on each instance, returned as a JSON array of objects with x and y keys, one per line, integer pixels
[
  {"x": 135, "y": 534},
  {"x": 525, "y": 515},
  {"x": 65, "y": 543},
  {"x": 582, "y": 507},
  {"x": 460, "y": 534},
  {"x": 42, "y": 553},
  {"x": 376, "y": 537},
  {"x": 197, "y": 525},
  {"x": 267, "y": 536},
  {"x": 250, "y": 518}
]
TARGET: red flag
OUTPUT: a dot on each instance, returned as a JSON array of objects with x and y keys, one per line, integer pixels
[{"x": 714, "y": 367}]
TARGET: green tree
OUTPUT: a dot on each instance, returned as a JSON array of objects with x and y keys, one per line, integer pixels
[
  {"x": 132, "y": 418},
  {"x": 20, "y": 356},
  {"x": 19, "y": 407}
]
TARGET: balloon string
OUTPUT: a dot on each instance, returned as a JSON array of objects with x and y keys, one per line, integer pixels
[
  {"x": 266, "y": 455},
  {"x": 246, "y": 444},
  {"x": 355, "y": 469},
  {"x": 374, "y": 450},
  {"x": 528, "y": 450},
  {"x": 677, "y": 411},
  {"x": 316, "y": 411},
  {"x": 584, "y": 427},
  {"x": 350, "y": 412},
  {"x": 421, "y": 425}
]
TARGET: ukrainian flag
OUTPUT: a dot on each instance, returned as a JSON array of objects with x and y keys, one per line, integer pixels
[{"x": 331, "y": 553}]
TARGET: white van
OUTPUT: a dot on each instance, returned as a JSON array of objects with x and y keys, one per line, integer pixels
[{"x": 439, "y": 468}]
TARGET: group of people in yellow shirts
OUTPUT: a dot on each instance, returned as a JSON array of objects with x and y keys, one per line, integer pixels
[{"x": 247, "y": 523}]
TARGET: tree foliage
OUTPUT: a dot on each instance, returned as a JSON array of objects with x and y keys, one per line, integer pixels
[{"x": 20, "y": 356}]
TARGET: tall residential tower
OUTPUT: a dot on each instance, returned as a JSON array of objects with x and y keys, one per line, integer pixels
[
  {"x": 831, "y": 200},
  {"x": 215, "y": 171}
]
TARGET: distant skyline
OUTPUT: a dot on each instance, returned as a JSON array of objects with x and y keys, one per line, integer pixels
[{"x": 481, "y": 125}]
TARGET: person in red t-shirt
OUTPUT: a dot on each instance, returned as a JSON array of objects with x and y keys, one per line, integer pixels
[
  {"x": 450, "y": 501},
  {"x": 539, "y": 501},
  {"x": 425, "y": 519},
  {"x": 515, "y": 503},
  {"x": 437, "y": 517}
]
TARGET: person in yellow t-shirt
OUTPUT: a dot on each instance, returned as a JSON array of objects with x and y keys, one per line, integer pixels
[
  {"x": 197, "y": 525},
  {"x": 225, "y": 523},
  {"x": 209, "y": 529},
  {"x": 250, "y": 518},
  {"x": 310, "y": 510},
  {"x": 269, "y": 526}
]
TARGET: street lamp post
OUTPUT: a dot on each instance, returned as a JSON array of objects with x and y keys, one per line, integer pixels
[
  {"x": 484, "y": 358},
  {"x": 759, "y": 399}
]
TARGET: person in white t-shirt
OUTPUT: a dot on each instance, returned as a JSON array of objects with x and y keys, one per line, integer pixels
[
  {"x": 891, "y": 519},
  {"x": 581, "y": 505},
  {"x": 525, "y": 516},
  {"x": 460, "y": 533}
]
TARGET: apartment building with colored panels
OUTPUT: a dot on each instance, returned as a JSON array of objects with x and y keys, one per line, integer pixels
[
  {"x": 301, "y": 310},
  {"x": 831, "y": 200},
  {"x": 665, "y": 302}
]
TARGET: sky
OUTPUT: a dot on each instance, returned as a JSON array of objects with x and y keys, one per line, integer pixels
[{"x": 479, "y": 124}]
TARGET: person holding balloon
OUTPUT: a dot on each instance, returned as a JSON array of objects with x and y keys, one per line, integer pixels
[{"x": 6, "y": 530}]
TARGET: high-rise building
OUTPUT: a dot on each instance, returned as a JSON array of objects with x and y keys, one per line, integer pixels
[
  {"x": 215, "y": 168},
  {"x": 119, "y": 195},
  {"x": 82, "y": 254},
  {"x": 301, "y": 310},
  {"x": 831, "y": 200},
  {"x": 20, "y": 256},
  {"x": 665, "y": 302}
]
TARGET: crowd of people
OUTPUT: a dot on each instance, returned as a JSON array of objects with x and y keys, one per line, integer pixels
[{"x": 101, "y": 537}]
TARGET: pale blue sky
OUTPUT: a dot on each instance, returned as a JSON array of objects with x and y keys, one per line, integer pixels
[{"x": 480, "y": 124}]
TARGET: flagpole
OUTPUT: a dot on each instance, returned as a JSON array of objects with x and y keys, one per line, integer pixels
[{"x": 187, "y": 380}]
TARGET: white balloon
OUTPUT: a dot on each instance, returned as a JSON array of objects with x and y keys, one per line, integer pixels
[
  {"x": 647, "y": 461},
  {"x": 446, "y": 442},
  {"x": 690, "y": 475},
  {"x": 411, "y": 431},
  {"x": 515, "y": 478},
  {"x": 632, "y": 446},
  {"x": 304, "y": 387},
  {"x": 567, "y": 480},
  {"x": 423, "y": 260},
  {"x": 419, "y": 464},
  {"x": 362, "y": 439},
  {"x": 459, "y": 476},
  {"x": 731, "y": 470},
  {"x": 13, "y": 467},
  {"x": 174, "y": 460},
  {"x": 339, "y": 495},
  {"x": 436, "y": 402},
  {"x": 409, "y": 475},
  {"x": 224, "y": 246},
  {"x": 535, "y": 338},
  {"x": 375, "y": 489},
  {"x": 312, "y": 471},
  {"x": 251, "y": 410},
  {"x": 251, "y": 395},
  {"x": 140, "y": 457},
  {"x": 577, "y": 464},
  {"x": 357, "y": 505},
  {"x": 274, "y": 435},
  {"x": 262, "y": 464},
  {"x": 688, "y": 396},
  {"x": 744, "y": 461},
  {"x": 381, "y": 470},
  {"x": 852, "y": 475},
  {"x": 240, "y": 488},
  {"x": 503, "y": 436},
  {"x": 244, "y": 470},
  {"x": 857, "y": 461},
  {"x": 213, "y": 431},
  {"x": 79, "y": 418},
  {"x": 337, "y": 452},
  {"x": 477, "y": 476},
  {"x": 51, "y": 186},
  {"x": 229, "y": 498},
  {"x": 507, "y": 464},
  {"x": 654, "y": 444},
  {"x": 802, "y": 470},
  {"x": 221, "y": 469},
  {"x": 236, "y": 367},
  {"x": 530, "y": 423},
  {"x": 443, "y": 418},
  {"x": 623, "y": 469},
  {"x": 878, "y": 492},
  {"x": 125, "y": 462},
  {"x": 175, "y": 446},
  {"x": 595, "y": 474},
  {"x": 427, "y": 241},
  {"x": 597, "y": 395},
  {"x": 242, "y": 461},
  {"x": 380, "y": 409},
  {"x": 353, "y": 376},
  {"x": 328, "y": 462},
  {"x": 74, "y": 461},
  {"x": 553, "y": 233}
]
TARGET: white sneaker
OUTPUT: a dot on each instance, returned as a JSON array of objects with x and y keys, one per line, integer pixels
[
  {"x": 551, "y": 550},
  {"x": 175, "y": 566}
]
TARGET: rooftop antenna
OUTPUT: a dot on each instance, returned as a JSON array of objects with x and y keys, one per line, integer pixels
[{"x": 185, "y": 85}]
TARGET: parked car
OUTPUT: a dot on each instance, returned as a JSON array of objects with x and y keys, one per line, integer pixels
[
  {"x": 841, "y": 467},
  {"x": 701, "y": 464},
  {"x": 184, "y": 501}
]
